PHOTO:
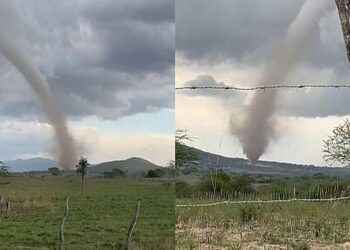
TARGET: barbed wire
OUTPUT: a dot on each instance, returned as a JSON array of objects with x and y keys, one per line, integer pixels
[
  {"x": 262, "y": 202},
  {"x": 291, "y": 86}
]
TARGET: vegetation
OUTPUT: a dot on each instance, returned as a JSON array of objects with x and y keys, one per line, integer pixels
[
  {"x": 243, "y": 186},
  {"x": 248, "y": 226},
  {"x": 97, "y": 220},
  {"x": 171, "y": 169},
  {"x": 54, "y": 171},
  {"x": 300, "y": 225},
  {"x": 183, "y": 189},
  {"x": 183, "y": 154},
  {"x": 3, "y": 169},
  {"x": 116, "y": 173},
  {"x": 152, "y": 174},
  {"x": 337, "y": 147}
]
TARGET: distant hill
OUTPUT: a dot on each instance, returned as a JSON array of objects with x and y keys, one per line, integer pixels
[
  {"x": 130, "y": 166},
  {"x": 239, "y": 165},
  {"x": 34, "y": 164}
]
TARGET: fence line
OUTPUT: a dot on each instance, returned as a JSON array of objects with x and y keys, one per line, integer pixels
[
  {"x": 132, "y": 226},
  {"x": 63, "y": 220},
  {"x": 262, "y": 202},
  {"x": 287, "y": 86}
]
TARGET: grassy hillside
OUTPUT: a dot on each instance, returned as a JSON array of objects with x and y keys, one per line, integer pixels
[
  {"x": 132, "y": 165},
  {"x": 99, "y": 219}
]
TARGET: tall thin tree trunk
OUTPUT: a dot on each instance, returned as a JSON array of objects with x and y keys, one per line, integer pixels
[
  {"x": 82, "y": 184},
  {"x": 344, "y": 14}
]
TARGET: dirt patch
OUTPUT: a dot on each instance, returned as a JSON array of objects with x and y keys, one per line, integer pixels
[{"x": 250, "y": 238}]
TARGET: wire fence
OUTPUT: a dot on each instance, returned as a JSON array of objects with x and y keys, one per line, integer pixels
[
  {"x": 263, "y": 202},
  {"x": 287, "y": 86}
]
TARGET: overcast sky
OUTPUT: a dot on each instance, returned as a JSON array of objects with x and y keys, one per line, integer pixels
[
  {"x": 110, "y": 66},
  {"x": 229, "y": 42}
]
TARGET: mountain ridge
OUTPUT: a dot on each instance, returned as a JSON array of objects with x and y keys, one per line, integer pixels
[
  {"x": 130, "y": 165},
  {"x": 239, "y": 165}
]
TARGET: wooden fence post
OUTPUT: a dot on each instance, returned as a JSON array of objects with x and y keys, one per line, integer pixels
[
  {"x": 63, "y": 220},
  {"x": 132, "y": 226}
]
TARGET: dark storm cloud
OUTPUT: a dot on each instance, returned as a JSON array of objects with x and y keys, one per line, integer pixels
[
  {"x": 138, "y": 35},
  {"x": 101, "y": 58},
  {"x": 247, "y": 32},
  {"x": 230, "y": 29},
  {"x": 144, "y": 11}
]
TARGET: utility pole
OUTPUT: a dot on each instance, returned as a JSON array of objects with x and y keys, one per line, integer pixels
[{"x": 344, "y": 14}]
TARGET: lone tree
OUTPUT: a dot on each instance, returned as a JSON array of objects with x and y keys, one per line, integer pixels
[
  {"x": 172, "y": 169},
  {"x": 3, "y": 169},
  {"x": 336, "y": 147},
  {"x": 81, "y": 169}
]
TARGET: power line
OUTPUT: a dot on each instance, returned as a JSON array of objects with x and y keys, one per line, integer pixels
[{"x": 300, "y": 86}]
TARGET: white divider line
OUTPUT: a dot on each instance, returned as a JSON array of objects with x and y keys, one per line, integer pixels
[{"x": 261, "y": 201}]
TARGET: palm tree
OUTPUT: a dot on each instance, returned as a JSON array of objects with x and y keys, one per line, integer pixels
[{"x": 81, "y": 169}]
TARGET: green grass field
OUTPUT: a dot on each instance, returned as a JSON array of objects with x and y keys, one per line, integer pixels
[
  {"x": 98, "y": 219},
  {"x": 296, "y": 225}
]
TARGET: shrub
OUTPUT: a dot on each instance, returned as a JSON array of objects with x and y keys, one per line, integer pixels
[
  {"x": 183, "y": 190},
  {"x": 248, "y": 214},
  {"x": 225, "y": 183},
  {"x": 116, "y": 173},
  {"x": 152, "y": 174}
]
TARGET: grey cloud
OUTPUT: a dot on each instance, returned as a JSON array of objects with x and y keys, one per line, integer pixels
[
  {"x": 303, "y": 103},
  {"x": 140, "y": 49},
  {"x": 230, "y": 98},
  {"x": 20, "y": 109},
  {"x": 248, "y": 31},
  {"x": 230, "y": 29},
  {"x": 10, "y": 145},
  {"x": 201, "y": 81},
  {"x": 157, "y": 11},
  {"x": 316, "y": 103}
]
